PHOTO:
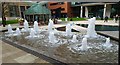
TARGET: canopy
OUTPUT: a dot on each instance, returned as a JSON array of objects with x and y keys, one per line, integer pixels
[{"x": 37, "y": 8}]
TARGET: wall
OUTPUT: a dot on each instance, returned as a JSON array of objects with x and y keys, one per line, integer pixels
[
  {"x": 66, "y": 6},
  {"x": 57, "y": 6},
  {"x": 69, "y": 10}
]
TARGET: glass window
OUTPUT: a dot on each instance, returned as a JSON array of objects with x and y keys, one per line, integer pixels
[
  {"x": 14, "y": 11},
  {"x": 62, "y": 9},
  {"x": 53, "y": 4},
  {"x": 22, "y": 8},
  {"x": 27, "y": 7},
  {"x": 60, "y": 2},
  {"x": 31, "y": 18}
]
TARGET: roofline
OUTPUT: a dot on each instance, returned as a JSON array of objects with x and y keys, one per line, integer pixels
[{"x": 92, "y": 4}]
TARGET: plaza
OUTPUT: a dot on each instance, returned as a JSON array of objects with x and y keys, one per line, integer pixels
[{"x": 14, "y": 51}]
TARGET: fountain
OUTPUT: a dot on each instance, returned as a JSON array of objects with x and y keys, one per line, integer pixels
[
  {"x": 57, "y": 45},
  {"x": 52, "y": 38},
  {"x": 68, "y": 30},
  {"x": 36, "y": 27},
  {"x": 18, "y": 32},
  {"x": 26, "y": 26},
  {"x": 50, "y": 25},
  {"x": 55, "y": 30},
  {"x": 91, "y": 28},
  {"x": 84, "y": 46},
  {"x": 74, "y": 39},
  {"x": 32, "y": 34},
  {"x": 22, "y": 30},
  {"x": 66, "y": 19},
  {"x": 107, "y": 44},
  {"x": 10, "y": 31}
]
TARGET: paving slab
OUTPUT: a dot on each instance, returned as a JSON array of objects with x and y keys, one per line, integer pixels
[
  {"x": 112, "y": 34},
  {"x": 11, "y": 54}
]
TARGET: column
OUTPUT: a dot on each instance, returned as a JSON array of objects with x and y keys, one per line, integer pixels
[
  {"x": 81, "y": 11},
  {"x": 86, "y": 12},
  {"x": 23, "y": 12},
  {"x": 108, "y": 10},
  {"x": 19, "y": 11},
  {"x": 104, "y": 12}
]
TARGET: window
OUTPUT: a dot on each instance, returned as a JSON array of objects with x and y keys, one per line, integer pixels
[
  {"x": 77, "y": 3},
  {"x": 53, "y": 4},
  {"x": 22, "y": 8},
  {"x": 44, "y": 5},
  {"x": 14, "y": 11},
  {"x": 62, "y": 9},
  {"x": 57, "y": 3},
  {"x": 60, "y": 2},
  {"x": 28, "y": 7}
]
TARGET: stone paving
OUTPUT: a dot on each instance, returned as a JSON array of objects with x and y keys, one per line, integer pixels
[
  {"x": 114, "y": 34},
  {"x": 11, "y": 54}
]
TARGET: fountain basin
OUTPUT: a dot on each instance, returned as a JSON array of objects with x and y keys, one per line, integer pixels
[
  {"x": 63, "y": 51},
  {"x": 102, "y": 27}
]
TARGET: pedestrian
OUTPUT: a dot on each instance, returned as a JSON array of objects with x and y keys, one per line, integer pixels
[
  {"x": 4, "y": 21},
  {"x": 116, "y": 18},
  {"x": 106, "y": 19}
]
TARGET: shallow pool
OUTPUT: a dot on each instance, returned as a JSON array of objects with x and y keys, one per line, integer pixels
[{"x": 102, "y": 27}]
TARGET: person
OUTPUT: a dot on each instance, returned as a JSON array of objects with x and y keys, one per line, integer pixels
[
  {"x": 116, "y": 18},
  {"x": 4, "y": 21},
  {"x": 106, "y": 19}
]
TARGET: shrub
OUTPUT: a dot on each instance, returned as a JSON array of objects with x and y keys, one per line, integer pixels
[
  {"x": 11, "y": 21},
  {"x": 74, "y": 19}
]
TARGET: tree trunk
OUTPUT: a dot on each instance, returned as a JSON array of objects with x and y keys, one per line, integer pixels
[{"x": 3, "y": 15}]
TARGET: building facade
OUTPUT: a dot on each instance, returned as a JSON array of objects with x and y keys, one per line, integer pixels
[
  {"x": 82, "y": 9},
  {"x": 66, "y": 9},
  {"x": 60, "y": 9},
  {"x": 94, "y": 9},
  {"x": 16, "y": 9}
]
